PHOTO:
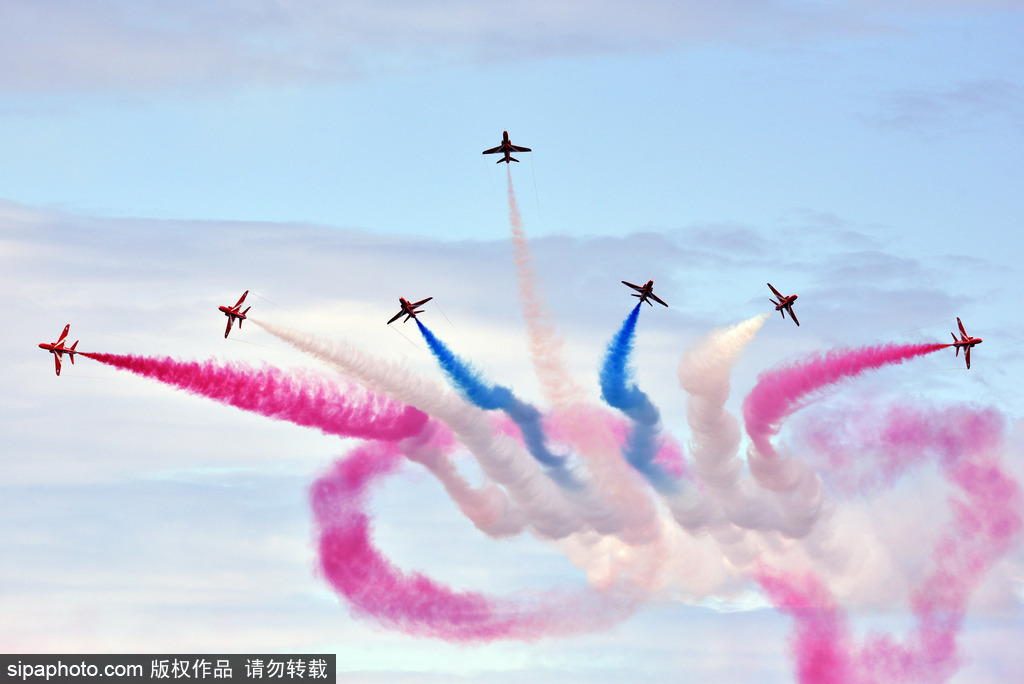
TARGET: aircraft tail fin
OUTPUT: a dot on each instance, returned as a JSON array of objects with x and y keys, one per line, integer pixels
[{"x": 71, "y": 352}]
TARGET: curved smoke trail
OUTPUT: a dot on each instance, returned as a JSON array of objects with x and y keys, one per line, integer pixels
[
  {"x": 414, "y": 604},
  {"x": 496, "y": 397},
  {"x": 780, "y": 392},
  {"x": 704, "y": 373},
  {"x": 987, "y": 519},
  {"x": 619, "y": 391}
]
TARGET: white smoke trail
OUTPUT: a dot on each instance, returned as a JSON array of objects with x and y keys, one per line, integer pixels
[
  {"x": 541, "y": 501},
  {"x": 487, "y": 507},
  {"x": 731, "y": 498}
]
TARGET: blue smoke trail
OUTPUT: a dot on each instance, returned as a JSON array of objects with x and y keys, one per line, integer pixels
[
  {"x": 618, "y": 390},
  {"x": 495, "y": 397}
]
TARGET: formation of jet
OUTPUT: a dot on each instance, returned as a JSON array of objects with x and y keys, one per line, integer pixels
[
  {"x": 646, "y": 292},
  {"x": 233, "y": 312},
  {"x": 58, "y": 349},
  {"x": 965, "y": 341},
  {"x": 784, "y": 304},
  {"x": 408, "y": 309},
  {"x": 507, "y": 148}
]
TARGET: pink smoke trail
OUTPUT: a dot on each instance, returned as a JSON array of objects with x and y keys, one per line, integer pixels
[
  {"x": 987, "y": 519},
  {"x": 820, "y": 642},
  {"x": 863, "y": 447},
  {"x": 779, "y": 392},
  {"x": 297, "y": 397},
  {"x": 413, "y": 603},
  {"x": 546, "y": 348}
]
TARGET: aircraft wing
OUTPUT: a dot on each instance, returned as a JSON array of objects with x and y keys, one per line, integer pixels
[
  {"x": 777, "y": 293},
  {"x": 396, "y": 316},
  {"x": 635, "y": 287},
  {"x": 517, "y": 148},
  {"x": 656, "y": 298},
  {"x": 228, "y": 329},
  {"x": 957, "y": 322},
  {"x": 56, "y": 361},
  {"x": 240, "y": 300},
  {"x": 493, "y": 150},
  {"x": 967, "y": 355},
  {"x": 63, "y": 335},
  {"x": 793, "y": 314},
  {"x": 420, "y": 303}
]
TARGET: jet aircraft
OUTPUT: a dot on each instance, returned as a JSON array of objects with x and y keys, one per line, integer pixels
[
  {"x": 408, "y": 309},
  {"x": 58, "y": 349},
  {"x": 785, "y": 303},
  {"x": 507, "y": 148},
  {"x": 646, "y": 292},
  {"x": 965, "y": 341},
  {"x": 233, "y": 312}
]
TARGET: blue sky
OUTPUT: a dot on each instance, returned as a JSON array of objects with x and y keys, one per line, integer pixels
[{"x": 156, "y": 161}]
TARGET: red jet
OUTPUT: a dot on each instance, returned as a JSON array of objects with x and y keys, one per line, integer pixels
[
  {"x": 232, "y": 312},
  {"x": 507, "y": 148},
  {"x": 965, "y": 341},
  {"x": 784, "y": 304},
  {"x": 58, "y": 349},
  {"x": 408, "y": 310},
  {"x": 646, "y": 293}
]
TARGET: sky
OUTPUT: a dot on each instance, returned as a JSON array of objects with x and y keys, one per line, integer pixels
[{"x": 158, "y": 160}]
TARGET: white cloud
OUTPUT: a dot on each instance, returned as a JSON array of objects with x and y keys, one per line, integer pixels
[{"x": 114, "y": 45}]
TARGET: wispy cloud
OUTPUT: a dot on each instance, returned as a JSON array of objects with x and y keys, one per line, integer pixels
[
  {"x": 140, "y": 46},
  {"x": 966, "y": 106}
]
